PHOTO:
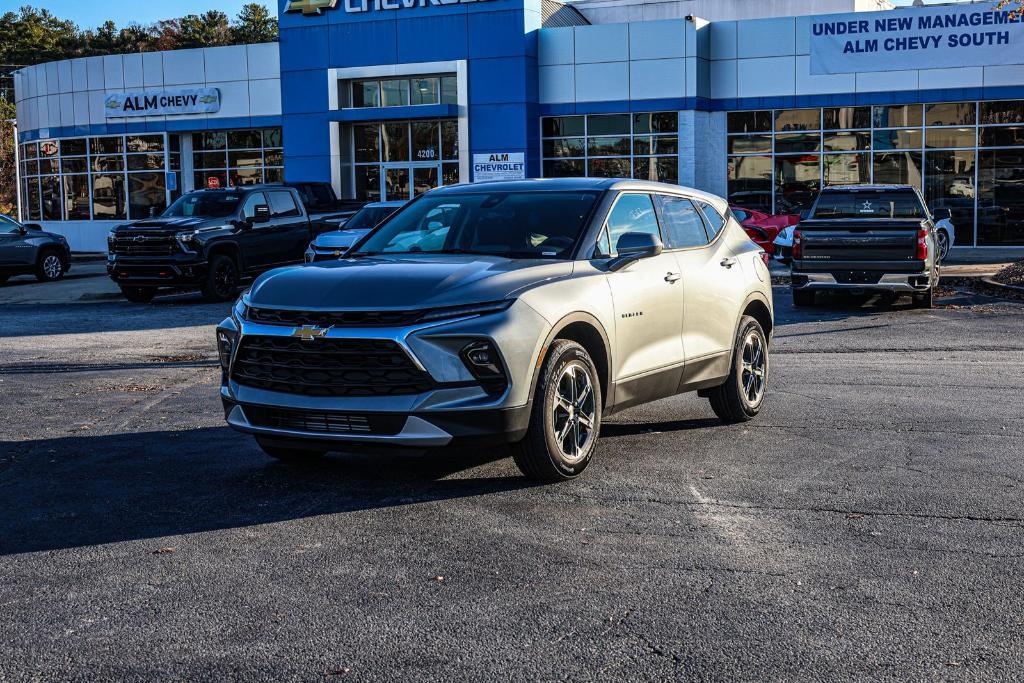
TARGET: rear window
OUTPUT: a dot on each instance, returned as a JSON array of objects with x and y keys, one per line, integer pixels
[
  {"x": 869, "y": 204},
  {"x": 283, "y": 204}
]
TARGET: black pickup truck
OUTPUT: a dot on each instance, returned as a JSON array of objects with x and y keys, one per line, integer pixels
[
  {"x": 210, "y": 240},
  {"x": 866, "y": 237},
  {"x": 326, "y": 211}
]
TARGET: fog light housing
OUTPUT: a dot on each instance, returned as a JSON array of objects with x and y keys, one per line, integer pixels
[
  {"x": 483, "y": 361},
  {"x": 225, "y": 347}
]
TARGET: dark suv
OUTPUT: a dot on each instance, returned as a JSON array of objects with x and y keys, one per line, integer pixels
[
  {"x": 26, "y": 249},
  {"x": 209, "y": 240}
]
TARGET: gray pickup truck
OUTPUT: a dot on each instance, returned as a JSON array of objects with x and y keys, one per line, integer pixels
[{"x": 866, "y": 237}]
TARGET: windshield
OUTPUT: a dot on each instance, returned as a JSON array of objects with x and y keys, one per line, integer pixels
[
  {"x": 206, "y": 204},
  {"x": 869, "y": 204},
  {"x": 510, "y": 224},
  {"x": 368, "y": 217}
]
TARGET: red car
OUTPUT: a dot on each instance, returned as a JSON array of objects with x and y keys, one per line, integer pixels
[{"x": 763, "y": 228}]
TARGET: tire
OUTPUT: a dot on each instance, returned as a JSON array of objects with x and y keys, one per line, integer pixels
[
  {"x": 221, "y": 280},
  {"x": 741, "y": 397},
  {"x": 942, "y": 242},
  {"x": 541, "y": 455},
  {"x": 49, "y": 267},
  {"x": 925, "y": 299},
  {"x": 139, "y": 295},
  {"x": 802, "y": 298},
  {"x": 296, "y": 456}
]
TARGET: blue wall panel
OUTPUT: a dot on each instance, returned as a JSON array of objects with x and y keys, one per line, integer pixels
[
  {"x": 303, "y": 92},
  {"x": 363, "y": 43},
  {"x": 304, "y": 48},
  {"x": 432, "y": 39},
  {"x": 497, "y": 34}
]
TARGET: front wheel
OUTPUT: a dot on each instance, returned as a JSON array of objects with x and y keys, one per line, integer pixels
[
  {"x": 49, "y": 267},
  {"x": 139, "y": 295},
  {"x": 296, "y": 456},
  {"x": 566, "y": 417},
  {"x": 221, "y": 281},
  {"x": 740, "y": 398}
]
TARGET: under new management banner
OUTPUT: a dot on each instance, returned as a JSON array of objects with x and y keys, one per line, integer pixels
[{"x": 925, "y": 38}]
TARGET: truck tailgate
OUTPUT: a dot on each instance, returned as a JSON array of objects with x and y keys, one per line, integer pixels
[{"x": 833, "y": 242}]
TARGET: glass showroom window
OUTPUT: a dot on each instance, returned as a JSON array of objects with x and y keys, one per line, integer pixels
[
  {"x": 401, "y": 92},
  {"x": 966, "y": 157},
  {"x": 643, "y": 146},
  {"x": 238, "y": 157},
  {"x": 401, "y": 160}
]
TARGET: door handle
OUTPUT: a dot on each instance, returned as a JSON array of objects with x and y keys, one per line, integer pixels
[
  {"x": 672, "y": 277},
  {"x": 728, "y": 262}
]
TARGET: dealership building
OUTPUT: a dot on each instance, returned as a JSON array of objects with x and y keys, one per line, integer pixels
[{"x": 765, "y": 101}]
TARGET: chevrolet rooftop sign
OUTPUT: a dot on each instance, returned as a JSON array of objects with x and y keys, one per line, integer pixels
[{"x": 313, "y": 7}]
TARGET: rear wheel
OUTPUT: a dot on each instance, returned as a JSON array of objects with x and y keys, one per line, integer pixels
[
  {"x": 49, "y": 267},
  {"x": 942, "y": 242},
  {"x": 803, "y": 298},
  {"x": 221, "y": 281},
  {"x": 566, "y": 417},
  {"x": 139, "y": 295},
  {"x": 925, "y": 299},
  {"x": 740, "y": 398},
  {"x": 287, "y": 454}
]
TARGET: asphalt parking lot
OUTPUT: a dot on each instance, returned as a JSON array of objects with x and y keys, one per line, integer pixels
[{"x": 867, "y": 526}]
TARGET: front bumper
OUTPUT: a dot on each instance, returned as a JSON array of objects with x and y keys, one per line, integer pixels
[
  {"x": 457, "y": 408},
  {"x": 152, "y": 273}
]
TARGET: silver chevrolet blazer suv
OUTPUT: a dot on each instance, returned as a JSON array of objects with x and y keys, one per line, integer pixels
[{"x": 520, "y": 313}]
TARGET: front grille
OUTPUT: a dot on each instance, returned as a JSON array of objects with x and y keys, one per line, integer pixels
[
  {"x": 273, "y": 316},
  {"x": 328, "y": 367},
  {"x": 324, "y": 422},
  {"x": 145, "y": 245}
]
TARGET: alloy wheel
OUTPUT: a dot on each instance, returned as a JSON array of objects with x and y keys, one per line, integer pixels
[
  {"x": 753, "y": 379},
  {"x": 52, "y": 266},
  {"x": 943, "y": 244},
  {"x": 224, "y": 278},
  {"x": 574, "y": 413}
]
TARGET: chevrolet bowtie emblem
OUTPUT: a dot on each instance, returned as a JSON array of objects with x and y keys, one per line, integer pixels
[
  {"x": 309, "y": 332},
  {"x": 311, "y": 6}
]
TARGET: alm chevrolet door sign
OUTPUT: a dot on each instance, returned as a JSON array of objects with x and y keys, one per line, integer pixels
[{"x": 162, "y": 102}]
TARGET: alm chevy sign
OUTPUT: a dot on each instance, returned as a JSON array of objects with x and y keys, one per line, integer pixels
[
  {"x": 505, "y": 166},
  {"x": 162, "y": 102},
  {"x": 318, "y": 6},
  {"x": 933, "y": 38}
]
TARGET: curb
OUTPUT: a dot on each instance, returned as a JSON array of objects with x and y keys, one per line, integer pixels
[{"x": 999, "y": 285}]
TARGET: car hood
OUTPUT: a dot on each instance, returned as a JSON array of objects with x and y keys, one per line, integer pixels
[
  {"x": 405, "y": 282},
  {"x": 338, "y": 239},
  {"x": 151, "y": 225}
]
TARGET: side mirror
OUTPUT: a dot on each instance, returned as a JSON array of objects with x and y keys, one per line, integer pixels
[
  {"x": 33, "y": 226},
  {"x": 262, "y": 214},
  {"x": 634, "y": 246}
]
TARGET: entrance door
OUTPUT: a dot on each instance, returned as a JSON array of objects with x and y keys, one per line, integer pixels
[{"x": 405, "y": 181}]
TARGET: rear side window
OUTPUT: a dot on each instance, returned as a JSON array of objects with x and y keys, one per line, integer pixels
[
  {"x": 251, "y": 202},
  {"x": 632, "y": 213},
  {"x": 714, "y": 219},
  {"x": 282, "y": 204},
  {"x": 683, "y": 225}
]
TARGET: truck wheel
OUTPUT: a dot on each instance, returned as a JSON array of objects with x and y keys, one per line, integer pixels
[
  {"x": 925, "y": 299},
  {"x": 221, "y": 281},
  {"x": 139, "y": 295},
  {"x": 740, "y": 398},
  {"x": 942, "y": 242},
  {"x": 49, "y": 267},
  {"x": 802, "y": 298},
  {"x": 566, "y": 417},
  {"x": 290, "y": 455}
]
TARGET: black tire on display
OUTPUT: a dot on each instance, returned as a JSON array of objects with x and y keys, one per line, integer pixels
[
  {"x": 925, "y": 299},
  {"x": 566, "y": 418},
  {"x": 139, "y": 295},
  {"x": 221, "y": 280},
  {"x": 741, "y": 397},
  {"x": 802, "y": 298},
  {"x": 49, "y": 267},
  {"x": 296, "y": 456}
]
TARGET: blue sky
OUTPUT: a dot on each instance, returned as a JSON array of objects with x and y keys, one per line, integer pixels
[{"x": 92, "y": 13}]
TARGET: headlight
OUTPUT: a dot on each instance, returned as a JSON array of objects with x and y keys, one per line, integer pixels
[
  {"x": 225, "y": 346},
  {"x": 187, "y": 239},
  {"x": 111, "y": 238},
  {"x": 462, "y": 311},
  {"x": 309, "y": 255},
  {"x": 240, "y": 310}
]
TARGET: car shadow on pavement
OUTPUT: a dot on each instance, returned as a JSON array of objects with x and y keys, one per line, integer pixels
[
  {"x": 617, "y": 429},
  {"x": 80, "y": 491}
]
